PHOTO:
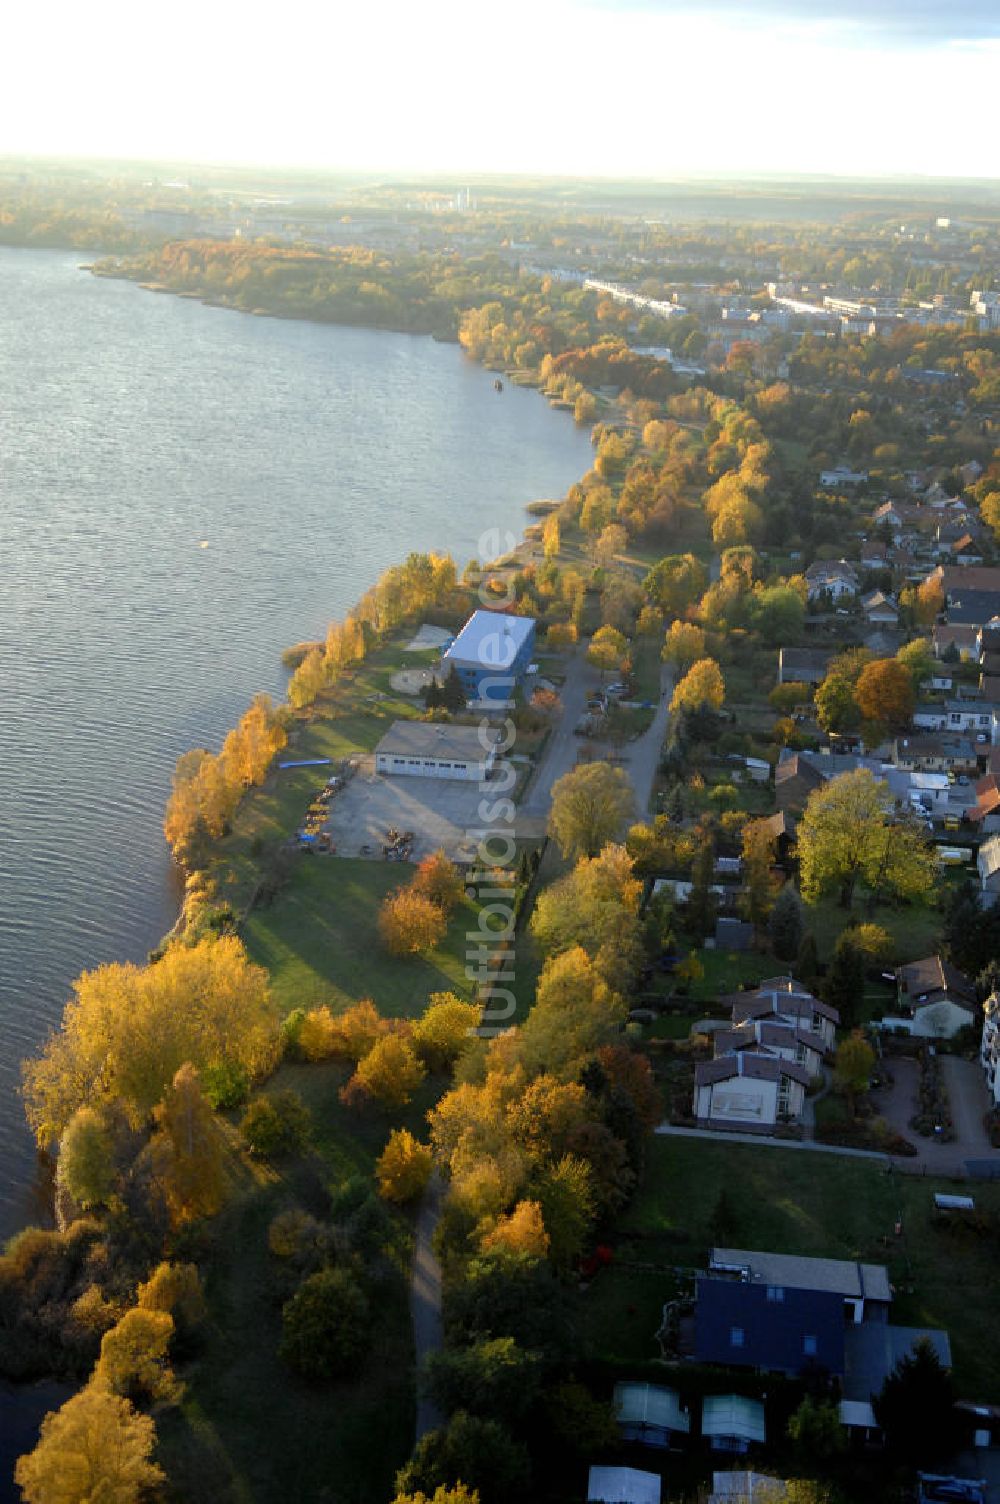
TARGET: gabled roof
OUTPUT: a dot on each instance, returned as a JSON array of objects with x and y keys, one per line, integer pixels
[
  {"x": 989, "y": 857},
  {"x": 733, "y": 1415},
  {"x": 750, "y": 1067},
  {"x": 843, "y": 1277},
  {"x": 933, "y": 978},
  {"x": 777, "y": 825},
  {"x": 797, "y": 767}
]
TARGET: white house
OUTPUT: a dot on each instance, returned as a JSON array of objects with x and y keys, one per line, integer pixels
[
  {"x": 787, "y": 1001},
  {"x": 748, "y": 1090},
  {"x": 940, "y": 998},
  {"x": 835, "y": 578},
  {"x": 841, "y": 475},
  {"x": 732, "y": 1423},
  {"x": 768, "y": 1036},
  {"x": 422, "y": 749}
]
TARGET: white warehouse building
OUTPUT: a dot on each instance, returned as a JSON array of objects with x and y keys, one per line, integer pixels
[{"x": 422, "y": 749}]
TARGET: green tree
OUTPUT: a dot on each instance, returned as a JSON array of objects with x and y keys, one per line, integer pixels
[
  {"x": 326, "y": 1325},
  {"x": 676, "y": 582},
  {"x": 591, "y": 806},
  {"x": 836, "y": 709},
  {"x": 786, "y": 924},
  {"x": 566, "y": 1193},
  {"x": 815, "y": 1430},
  {"x": 844, "y": 983},
  {"x": 684, "y": 645},
  {"x": 95, "y": 1448},
  {"x": 608, "y": 650},
  {"x": 85, "y": 1169},
  {"x": 495, "y": 1378},
  {"x": 778, "y": 613},
  {"x": 849, "y": 834},
  {"x": 276, "y": 1125},
  {"x": 758, "y": 896},
  {"x": 916, "y": 1407},
  {"x": 700, "y": 909},
  {"x": 471, "y": 1450}
]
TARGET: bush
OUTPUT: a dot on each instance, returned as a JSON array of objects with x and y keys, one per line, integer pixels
[
  {"x": 275, "y": 1125},
  {"x": 325, "y": 1325}
]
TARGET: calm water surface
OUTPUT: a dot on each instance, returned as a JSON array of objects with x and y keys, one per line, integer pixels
[{"x": 132, "y": 428}]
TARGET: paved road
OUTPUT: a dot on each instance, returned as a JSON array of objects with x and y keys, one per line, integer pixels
[
  {"x": 966, "y": 1088},
  {"x": 642, "y": 757},
  {"x": 425, "y": 1300},
  {"x": 562, "y": 747}
]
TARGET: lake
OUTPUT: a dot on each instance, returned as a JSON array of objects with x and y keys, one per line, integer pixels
[{"x": 134, "y": 429}]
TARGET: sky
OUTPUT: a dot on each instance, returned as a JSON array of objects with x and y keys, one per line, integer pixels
[{"x": 609, "y": 88}]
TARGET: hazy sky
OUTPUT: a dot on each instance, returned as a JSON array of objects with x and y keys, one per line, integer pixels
[{"x": 616, "y": 87}]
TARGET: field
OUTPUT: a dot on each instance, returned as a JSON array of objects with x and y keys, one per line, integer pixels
[
  {"x": 319, "y": 941},
  {"x": 798, "y": 1201}
]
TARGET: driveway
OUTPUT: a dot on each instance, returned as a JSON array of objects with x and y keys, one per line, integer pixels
[
  {"x": 966, "y": 1088},
  {"x": 641, "y": 758},
  {"x": 425, "y": 1301}
]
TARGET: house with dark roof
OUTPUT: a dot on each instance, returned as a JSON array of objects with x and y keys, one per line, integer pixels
[
  {"x": 972, "y": 608},
  {"x": 802, "y": 665},
  {"x": 780, "y": 831},
  {"x": 874, "y": 1349},
  {"x": 769, "y": 1036},
  {"x": 864, "y": 1289},
  {"x": 935, "y": 752},
  {"x": 750, "y": 1090},
  {"x": 794, "y": 780},
  {"x": 787, "y": 1001},
  {"x": 963, "y": 639},
  {"x": 768, "y": 1328},
  {"x": 939, "y": 998},
  {"x": 880, "y": 609}
]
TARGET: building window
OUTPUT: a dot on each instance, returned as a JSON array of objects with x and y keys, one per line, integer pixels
[
  {"x": 775, "y": 1293},
  {"x": 810, "y": 1346},
  {"x": 735, "y": 1336}
]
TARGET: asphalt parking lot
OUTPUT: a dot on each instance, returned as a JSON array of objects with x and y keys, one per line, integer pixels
[{"x": 443, "y": 814}]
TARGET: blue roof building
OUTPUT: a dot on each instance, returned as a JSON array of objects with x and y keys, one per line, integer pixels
[
  {"x": 491, "y": 655},
  {"x": 774, "y": 1328}
]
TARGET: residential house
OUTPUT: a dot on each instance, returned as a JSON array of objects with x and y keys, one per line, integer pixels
[
  {"x": 874, "y": 555},
  {"x": 940, "y": 999},
  {"x": 988, "y": 863},
  {"x": 789, "y": 1002},
  {"x": 974, "y": 716},
  {"x": 834, "y": 578},
  {"x": 768, "y": 1328},
  {"x": 874, "y": 1349},
  {"x": 732, "y": 1423},
  {"x": 989, "y": 1046},
  {"x": 842, "y": 475},
  {"x": 972, "y": 607},
  {"x": 962, "y": 639},
  {"x": 780, "y": 830},
  {"x": 928, "y": 752},
  {"x": 864, "y": 1289},
  {"x": 750, "y": 1091},
  {"x": 623, "y": 1485},
  {"x": 794, "y": 780},
  {"x": 769, "y": 1036},
  {"x": 966, "y": 551},
  {"x": 802, "y": 665},
  {"x": 984, "y": 578},
  {"x": 650, "y": 1414},
  {"x": 880, "y": 609},
  {"x": 984, "y": 816},
  {"x": 491, "y": 655}
]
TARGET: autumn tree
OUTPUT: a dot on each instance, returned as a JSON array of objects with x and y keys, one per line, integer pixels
[
  {"x": 389, "y": 1074},
  {"x": 575, "y": 1013},
  {"x": 128, "y": 1029},
  {"x": 702, "y": 688},
  {"x": 439, "y": 880},
  {"x": 550, "y": 537},
  {"x": 177, "y": 1290},
  {"x": 95, "y": 1448},
  {"x": 276, "y": 1124},
  {"x": 853, "y": 1066},
  {"x": 591, "y": 805},
  {"x": 404, "y": 1167},
  {"x": 884, "y": 694},
  {"x": 608, "y": 650},
  {"x": 410, "y": 923},
  {"x": 560, "y": 635},
  {"x": 566, "y": 1194},
  {"x": 134, "y": 1361},
  {"x": 849, "y": 834},
  {"x": 759, "y": 884},
  {"x": 187, "y": 1149},
  {"x": 684, "y": 645},
  {"x": 596, "y": 906},
  {"x": 520, "y": 1231},
  {"x": 445, "y": 1030}
]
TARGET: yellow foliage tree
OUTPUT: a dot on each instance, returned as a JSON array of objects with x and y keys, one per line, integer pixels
[
  {"x": 95, "y": 1448},
  {"x": 390, "y": 1072},
  {"x": 404, "y": 1167},
  {"x": 411, "y": 923},
  {"x": 702, "y": 688},
  {"x": 176, "y": 1289},
  {"x": 187, "y": 1149},
  {"x": 134, "y": 1361},
  {"x": 591, "y": 805},
  {"x": 522, "y": 1232},
  {"x": 446, "y": 1029},
  {"x": 128, "y": 1029}
]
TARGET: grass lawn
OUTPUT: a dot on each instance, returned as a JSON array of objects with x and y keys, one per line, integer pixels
[
  {"x": 319, "y": 941},
  {"x": 915, "y": 928},
  {"x": 726, "y": 971},
  {"x": 797, "y": 1201}
]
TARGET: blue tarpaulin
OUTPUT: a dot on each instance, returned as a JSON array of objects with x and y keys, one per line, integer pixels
[{"x": 306, "y": 762}]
